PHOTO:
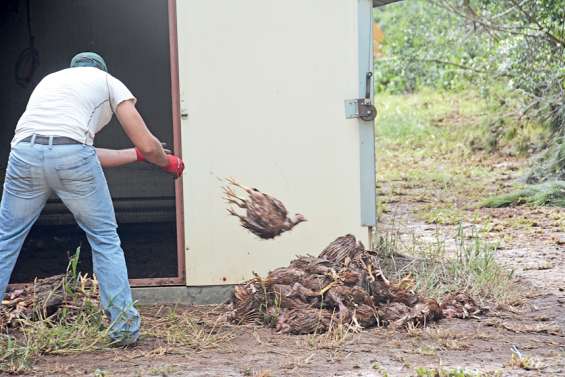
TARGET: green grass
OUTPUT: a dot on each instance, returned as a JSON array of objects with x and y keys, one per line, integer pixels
[
  {"x": 443, "y": 144},
  {"x": 423, "y": 143},
  {"x": 425, "y": 121},
  {"x": 544, "y": 194},
  {"x": 448, "y": 215},
  {"x": 453, "y": 372},
  {"x": 429, "y": 157}
]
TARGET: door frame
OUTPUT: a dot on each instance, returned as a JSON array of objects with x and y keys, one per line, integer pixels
[
  {"x": 180, "y": 279},
  {"x": 366, "y": 128}
]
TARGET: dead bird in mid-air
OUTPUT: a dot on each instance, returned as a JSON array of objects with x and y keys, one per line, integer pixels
[{"x": 265, "y": 216}]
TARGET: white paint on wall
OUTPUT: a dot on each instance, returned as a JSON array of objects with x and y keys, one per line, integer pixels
[{"x": 263, "y": 83}]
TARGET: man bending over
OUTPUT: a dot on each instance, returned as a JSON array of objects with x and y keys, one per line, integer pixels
[{"x": 52, "y": 152}]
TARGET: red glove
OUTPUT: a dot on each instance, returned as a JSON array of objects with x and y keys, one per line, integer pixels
[
  {"x": 175, "y": 166},
  {"x": 139, "y": 154}
]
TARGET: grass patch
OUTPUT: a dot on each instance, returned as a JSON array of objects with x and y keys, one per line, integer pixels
[
  {"x": 60, "y": 335},
  {"x": 471, "y": 268},
  {"x": 429, "y": 124},
  {"x": 337, "y": 336},
  {"x": 544, "y": 194},
  {"x": 69, "y": 330},
  {"x": 423, "y": 143},
  {"x": 520, "y": 361},
  {"x": 468, "y": 266},
  {"x": 454, "y": 372},
  {"x": 448, "y": 215},
  {"x": 428, "y": 159}
]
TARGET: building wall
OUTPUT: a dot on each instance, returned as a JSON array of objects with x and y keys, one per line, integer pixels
[{"x": 263, "y": 84}]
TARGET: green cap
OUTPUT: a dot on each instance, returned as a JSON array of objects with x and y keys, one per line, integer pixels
[{"x": 89, "y": 59}]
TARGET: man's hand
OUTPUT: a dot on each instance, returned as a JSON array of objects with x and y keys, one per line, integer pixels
[{"x": 175, "y": 166}]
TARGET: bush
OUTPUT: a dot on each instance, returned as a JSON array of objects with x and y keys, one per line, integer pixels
[{"x": 449, "y": 44}]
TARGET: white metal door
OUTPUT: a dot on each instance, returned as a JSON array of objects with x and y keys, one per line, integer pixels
[{"x": 262, "y": 86}]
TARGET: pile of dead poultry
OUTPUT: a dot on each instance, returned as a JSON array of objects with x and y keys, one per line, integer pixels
[
  {"x": 52, "y": 297},
  {"x": 344, "y": 285}
]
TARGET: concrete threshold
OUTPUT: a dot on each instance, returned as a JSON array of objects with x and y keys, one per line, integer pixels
[{"x": 183, "y": 295}]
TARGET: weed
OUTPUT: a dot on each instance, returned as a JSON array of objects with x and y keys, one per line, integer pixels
[
  {"x": 100, "y": 373},
  {"x": 442, "y": 216},
  {"x": 447, "y": 339},
  {"x": 14, "y": 356},
  {"x": 470, "y": 267},
  {"x": 163, "y": 370},
  {"x": 456, "y": 372},
  {"x": 414, "y": 331},
  {"x": 336, "y": 336},
  {"x": 426, "y": 350},
  {"x": 519, "y": 360},
  {"x": 379, "y": 368}
]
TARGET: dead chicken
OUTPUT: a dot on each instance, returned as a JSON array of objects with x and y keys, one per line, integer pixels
[
  {"x": 304, "y": 321},
  {"x": 459, "y": 305},
  {"x": 265, "y": 216},
  {"x": 342, "y": 249}
]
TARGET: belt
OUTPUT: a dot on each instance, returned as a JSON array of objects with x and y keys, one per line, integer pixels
[{"x": 57, "y": 140}]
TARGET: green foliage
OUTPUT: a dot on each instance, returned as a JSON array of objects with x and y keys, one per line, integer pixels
[
  {"x": 549, "y": 163},
  {"x": 421, "y": 49},
  {"x": 545, "y": 194},
  {"x": 517, "y": 45},
  {"x": 14, "y": 357}
]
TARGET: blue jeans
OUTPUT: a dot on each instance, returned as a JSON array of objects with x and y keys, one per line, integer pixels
[{"x": 75, "y": 175}]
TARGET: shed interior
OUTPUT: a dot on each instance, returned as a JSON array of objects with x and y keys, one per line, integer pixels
[{"x": 133, "y": 37}]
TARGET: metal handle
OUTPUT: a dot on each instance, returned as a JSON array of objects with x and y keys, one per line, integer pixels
[
  {"x": 368, "y": 81},
  {"x": 367, "y": 111}
]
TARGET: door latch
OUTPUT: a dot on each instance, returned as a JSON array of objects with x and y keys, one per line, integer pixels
[{"x": 362, "y": 108}]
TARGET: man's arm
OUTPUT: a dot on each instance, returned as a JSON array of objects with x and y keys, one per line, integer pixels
[
  {"x": 110, "y": 158},
  {"x": 135, "y": 128}
]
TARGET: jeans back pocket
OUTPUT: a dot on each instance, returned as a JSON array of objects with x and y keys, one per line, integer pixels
[
  {"x": 78, "y": 175},
  {"x": 19, "y": 180}
]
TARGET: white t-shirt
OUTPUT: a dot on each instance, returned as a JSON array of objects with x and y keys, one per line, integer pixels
[{"x": 75, "y": 102}]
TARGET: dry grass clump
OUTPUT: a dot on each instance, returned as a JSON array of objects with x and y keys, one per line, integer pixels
[
  {"x": 56, "y": 315},
  {"x": 195, "y": 330},
  {"x": 441, "y": 266}
]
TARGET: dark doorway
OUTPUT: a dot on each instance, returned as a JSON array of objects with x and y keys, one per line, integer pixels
[{"x": 133, "y": 37}]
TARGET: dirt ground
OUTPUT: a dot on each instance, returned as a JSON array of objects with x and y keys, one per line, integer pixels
[{"x": 533, "y": 327}]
